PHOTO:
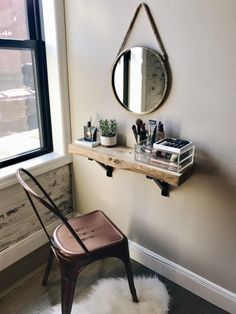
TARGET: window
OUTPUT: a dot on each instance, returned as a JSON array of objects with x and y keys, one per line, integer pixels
[{"x": 25, "y": 127}]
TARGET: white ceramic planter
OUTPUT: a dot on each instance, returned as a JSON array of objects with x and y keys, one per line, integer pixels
[{"x": 108, "y": 141}]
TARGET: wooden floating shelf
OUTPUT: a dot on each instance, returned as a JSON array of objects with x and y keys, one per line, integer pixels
[{"x": 122, "y": 157}]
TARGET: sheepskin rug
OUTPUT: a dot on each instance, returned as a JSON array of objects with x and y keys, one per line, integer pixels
[{"x": 112, "y": 296}]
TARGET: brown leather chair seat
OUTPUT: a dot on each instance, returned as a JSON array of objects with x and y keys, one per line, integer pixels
[{"x": 94, "y": 229}]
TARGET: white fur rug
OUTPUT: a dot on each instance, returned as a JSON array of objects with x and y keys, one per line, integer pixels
[{"x": 112, "y": 296}]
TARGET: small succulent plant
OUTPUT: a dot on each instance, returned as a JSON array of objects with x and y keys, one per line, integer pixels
[{"x": 107, "y": 127}]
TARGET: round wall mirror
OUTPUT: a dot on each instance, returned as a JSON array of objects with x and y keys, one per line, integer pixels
[{"x": 139, "y": 79}]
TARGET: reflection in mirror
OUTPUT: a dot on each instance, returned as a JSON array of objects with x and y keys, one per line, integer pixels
[{"x": 139, "y": 79}]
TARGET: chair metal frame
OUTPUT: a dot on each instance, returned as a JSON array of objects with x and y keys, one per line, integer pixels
[{"x": 70, "y": 264}]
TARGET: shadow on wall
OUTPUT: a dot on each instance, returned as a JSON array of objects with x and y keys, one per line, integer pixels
[
  {"x": 208, "y": 165},
  {"x": 196, "y": 221}
]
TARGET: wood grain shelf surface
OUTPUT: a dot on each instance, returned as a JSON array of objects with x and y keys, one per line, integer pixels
[{"x": 122, "y": 157}]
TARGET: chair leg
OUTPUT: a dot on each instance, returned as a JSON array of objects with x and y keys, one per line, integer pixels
[
  {"x": 129, "y": 273},
  {"x": 48, "y": 268},
  {"x": 68, "y": 282},
  {"x": 130, "y": 278}
]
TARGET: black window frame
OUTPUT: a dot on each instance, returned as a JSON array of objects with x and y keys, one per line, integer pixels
[{"x": 36, "y": 44}]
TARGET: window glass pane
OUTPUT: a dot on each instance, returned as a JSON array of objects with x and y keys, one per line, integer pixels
[
  {"x": 13, "y": 20},
  {"x": 19, "y": 127}
]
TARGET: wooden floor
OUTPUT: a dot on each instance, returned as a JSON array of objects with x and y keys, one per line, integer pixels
[{"x": 27, "y": 296}]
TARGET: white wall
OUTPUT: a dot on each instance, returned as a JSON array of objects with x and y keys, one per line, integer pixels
[{"x": 195, "y": 226}]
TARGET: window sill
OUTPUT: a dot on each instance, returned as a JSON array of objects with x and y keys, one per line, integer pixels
[{"x": 36, "y": 165}]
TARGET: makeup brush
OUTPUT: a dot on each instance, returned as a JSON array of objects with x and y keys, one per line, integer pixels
[
  {"x": 135, "y": 132},
  {"x": 143, "y": 133},
  {"x": 139, "y": 124}
]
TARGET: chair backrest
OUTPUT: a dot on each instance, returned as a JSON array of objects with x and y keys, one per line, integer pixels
[{"x": 42, "y": 197}]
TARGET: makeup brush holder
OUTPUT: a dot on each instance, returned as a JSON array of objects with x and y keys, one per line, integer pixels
[{"x": 143, "y": 152}]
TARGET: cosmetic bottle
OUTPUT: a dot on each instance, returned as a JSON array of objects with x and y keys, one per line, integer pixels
[
  {"x": 160, "y": 131},
  {"x": 90, "y": 132},
  {"x": 152, "y": 128}
]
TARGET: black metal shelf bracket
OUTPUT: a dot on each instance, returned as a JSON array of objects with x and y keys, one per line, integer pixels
[
  {"x": 165, "y": 187},
  {"x": 108, "y": 169}
]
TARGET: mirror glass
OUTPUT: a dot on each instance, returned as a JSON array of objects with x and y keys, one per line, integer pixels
[{"x": 139, "y": 79}]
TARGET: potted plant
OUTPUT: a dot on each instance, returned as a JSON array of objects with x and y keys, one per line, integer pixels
[{"x": 108, "y": 130}]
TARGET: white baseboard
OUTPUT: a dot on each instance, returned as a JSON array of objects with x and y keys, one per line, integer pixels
[
  {"x": 26, "y": 246},
  {"x": 198, "y": 285}
]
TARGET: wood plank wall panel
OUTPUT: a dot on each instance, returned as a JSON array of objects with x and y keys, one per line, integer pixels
[{"x": 17, "y": 219}]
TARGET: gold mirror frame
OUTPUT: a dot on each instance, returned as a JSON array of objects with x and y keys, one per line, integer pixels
[{"x": 153, "y": 84}]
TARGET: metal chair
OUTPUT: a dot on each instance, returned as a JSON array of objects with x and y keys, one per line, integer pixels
[{"x": 77, "y": 242}]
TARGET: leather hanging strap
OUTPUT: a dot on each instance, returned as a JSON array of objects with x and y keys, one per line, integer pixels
[{"x": 153, "y": 25}]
